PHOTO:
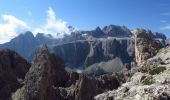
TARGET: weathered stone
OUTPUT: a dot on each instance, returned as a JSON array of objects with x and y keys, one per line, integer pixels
[
  {"x": 145, "y": 46},
  {"x": 45, "y": 72},
  {"x": 12, "y": 71}
]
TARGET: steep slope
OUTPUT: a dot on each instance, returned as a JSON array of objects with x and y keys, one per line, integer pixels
[
  {"x": 25, "y": 44},
  {"x": 108, "y": 46},
  {"x": 12, "y": 71},
  {"x": 145, "y": 45},
  {"x": 45, "y": 72},
  {"x": 152, "y": 84},
  {"x": 151, "y": 79},
  {"x": 102, "y": 49},
  {"x": 82, "y": 54},
  {"x": 22, "y": 44},
  {"x": 47, "y": 80}
]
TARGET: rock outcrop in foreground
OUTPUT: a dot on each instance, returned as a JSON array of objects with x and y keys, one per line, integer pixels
[
  {"x": 46, "y": 71},
  {"x": 48, "y": 80},
  {"x": 12, "y": 72},
  {"x": 153, "y": 84},
  {"x": 145, "y": 45},
  {"x": 151, "y": 80}
]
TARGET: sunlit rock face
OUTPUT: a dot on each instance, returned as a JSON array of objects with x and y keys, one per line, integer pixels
[
  {"x": 140, "y": 87},
  {"x": 145, "y": 45},
  {"x": 150, "y": 78}
]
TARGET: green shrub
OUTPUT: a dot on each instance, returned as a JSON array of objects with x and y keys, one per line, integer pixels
[
  {"x": 148, "y": 80},
  {"x": 157, "y": 70}
]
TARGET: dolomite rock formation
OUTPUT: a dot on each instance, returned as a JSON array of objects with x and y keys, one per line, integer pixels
[
  {"x": 45, "y": 72},
  {"x": 135, "y": 89},
  {"x": 151, "y": 80},
  {"x": 145, "y": 45},
  {"x": 48, "y": 80}
]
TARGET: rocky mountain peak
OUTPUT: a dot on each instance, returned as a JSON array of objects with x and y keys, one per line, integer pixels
[
  {"x": 98, "y": 29},
  {"x": 29, "y": 33},
  {"x": 25, "y": 36},
  {"x": 117, "y": 31},
  {"x": 47, "y": 80},
  {"x": 45, "y": 72},
  {"x": 43, "y": 49}
]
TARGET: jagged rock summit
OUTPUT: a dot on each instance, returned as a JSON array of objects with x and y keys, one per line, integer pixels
[
  {"x": 145, "y": 45},
  {"x": 45, "y": 72},
  {"x": 47, "y": 80}
]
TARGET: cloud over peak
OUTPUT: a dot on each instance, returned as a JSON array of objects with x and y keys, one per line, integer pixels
[
  {"x": 11, "y": 27},
  {"x": 56, "y": 27}
]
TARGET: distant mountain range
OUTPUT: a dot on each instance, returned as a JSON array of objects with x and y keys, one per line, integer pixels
[
  {"x": 108, "y": 58},
  {"x": 25, "y": 44},
  {"x": 112, "y": 45}
]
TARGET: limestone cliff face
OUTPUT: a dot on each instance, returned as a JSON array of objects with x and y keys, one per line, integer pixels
[
  {"x": 150, "y": 79},
  {"x": 85, "y": 53},
  {"x": 145, "y": 45}
]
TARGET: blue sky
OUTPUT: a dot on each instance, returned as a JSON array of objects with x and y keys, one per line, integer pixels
[{"x": 52, "y": 16}]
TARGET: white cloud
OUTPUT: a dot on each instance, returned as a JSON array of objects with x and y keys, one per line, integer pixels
[
  {"x": 11, "y": 27},
  {"x": 163, "y": 21},
  {"x": 165, "y": 14},
  {"x": 166, "y": 27},
  {"x": 56, "y": 27}
]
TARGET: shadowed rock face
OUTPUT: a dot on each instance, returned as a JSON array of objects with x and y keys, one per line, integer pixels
[
  {"x": 88, "y": 87},
  {"x": 89, "y": 47},
  {"x": 47, "y": 80},
  {"x": 12, "y": 69},
  {"x": 45, "y": 72},
  {"x": 26, "y": 44},
  {"x": 82, "y": 54},
  {"x": 73, "y": 54}
]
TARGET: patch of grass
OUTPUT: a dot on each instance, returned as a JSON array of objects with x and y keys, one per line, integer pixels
[
  {"x": 157, "y": 70},
  {"x": 148, "y": 80}
]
